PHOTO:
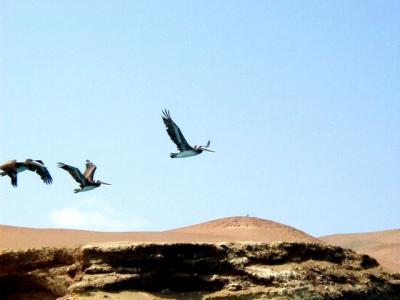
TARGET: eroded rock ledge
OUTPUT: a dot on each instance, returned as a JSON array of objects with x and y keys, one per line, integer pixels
[{"x": 194, "y": 271}]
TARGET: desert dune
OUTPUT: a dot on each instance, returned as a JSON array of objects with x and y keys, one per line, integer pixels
[{"x": 234, "y": 229}]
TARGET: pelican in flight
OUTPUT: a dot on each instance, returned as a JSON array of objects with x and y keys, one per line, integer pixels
[
  {"x": 86, "y": 180},
  {"x": 185, "y": 150},
  {"x": 13, "y": 167}
]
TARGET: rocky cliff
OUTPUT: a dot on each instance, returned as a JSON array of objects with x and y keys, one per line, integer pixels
[{"x": 194, "y": 271}]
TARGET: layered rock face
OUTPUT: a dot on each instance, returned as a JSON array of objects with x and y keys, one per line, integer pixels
[{"x": 194, "y": 271}]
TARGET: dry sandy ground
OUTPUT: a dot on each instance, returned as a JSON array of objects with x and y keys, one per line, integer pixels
[
  {"x": 222, "y": 230},
  {"x": 383, "y": 245}
]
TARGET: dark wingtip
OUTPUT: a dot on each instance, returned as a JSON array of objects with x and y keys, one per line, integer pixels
[{"x": 166, "y": 114}]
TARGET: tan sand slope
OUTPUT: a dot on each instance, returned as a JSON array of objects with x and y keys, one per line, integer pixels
[
  {"x": 247, "y": 229},
  {"x": 223, "y": 230},
  {"x": 382, "y": 245}
]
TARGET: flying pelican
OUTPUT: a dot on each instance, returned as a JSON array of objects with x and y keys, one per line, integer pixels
[
  {"x": 12, "y": 168},
  {"x": 185, "y": 150},
  {"x": 86, "y": 180}
]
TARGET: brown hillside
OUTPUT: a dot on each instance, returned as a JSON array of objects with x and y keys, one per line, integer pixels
[
  {"x": 223, "y": 230},
  {"x": 247, "y": 229}
]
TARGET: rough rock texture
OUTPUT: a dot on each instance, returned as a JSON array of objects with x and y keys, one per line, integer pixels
[{"x": 194, "y": 271}]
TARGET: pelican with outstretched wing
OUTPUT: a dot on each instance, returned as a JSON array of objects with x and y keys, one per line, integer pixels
[
  {"x": 13, "y": 167},
  {"x": 185, "y": 150},
  {"x": 85, "y": 180}
]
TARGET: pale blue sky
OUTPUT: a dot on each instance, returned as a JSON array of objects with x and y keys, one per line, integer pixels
[{"x": 301, "y": 101}]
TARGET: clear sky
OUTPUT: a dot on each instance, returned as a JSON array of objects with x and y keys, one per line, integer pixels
[{"x": 300, "y": 99}]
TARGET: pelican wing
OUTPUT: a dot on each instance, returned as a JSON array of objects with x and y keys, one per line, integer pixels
[
  {"x": 175, "y": 133},
  {"x": 90, "y": 169},
  {"x": 38, "y": 167},
  {"x": 74, "y": 172}
]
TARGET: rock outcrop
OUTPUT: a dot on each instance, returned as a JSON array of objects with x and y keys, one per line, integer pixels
[{"x": 194, "y": 271}]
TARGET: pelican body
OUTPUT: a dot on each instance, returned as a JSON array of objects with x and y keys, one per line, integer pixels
[
  {"x": 13, "y": 167},
  {"x": 85, "y": 180},
  {"x": 185, "y": 150}
]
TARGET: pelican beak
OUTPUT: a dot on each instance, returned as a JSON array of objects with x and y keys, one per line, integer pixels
[
  {"x": 105, "y": 183},
  {"x": 209, "y": 150}
]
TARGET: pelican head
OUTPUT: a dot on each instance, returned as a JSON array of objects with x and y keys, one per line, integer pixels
[
  {"x": 204, "y": 148},
  {"x": 36, "y": 162},
  {"x": 101, "y": 182}
]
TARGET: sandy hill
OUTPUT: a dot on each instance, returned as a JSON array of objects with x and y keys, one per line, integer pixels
[
  {"x": 246, "y": 229},
  {"x": 223, "y": 230},
  {"x": 382, "y": 245}
]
